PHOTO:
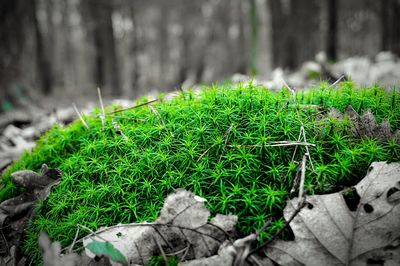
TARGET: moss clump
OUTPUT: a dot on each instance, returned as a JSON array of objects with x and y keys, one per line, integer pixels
[{"x": 215, "y": 144}]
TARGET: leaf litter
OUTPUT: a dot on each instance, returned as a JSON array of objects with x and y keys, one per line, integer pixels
[
  {"x": 331, "y": 230},
  {"x": 16, "y": 212},
  {"x": 182, "y": 229},
  {"x": 327, "y": 232}
]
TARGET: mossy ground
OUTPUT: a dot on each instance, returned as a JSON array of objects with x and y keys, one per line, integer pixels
[{"x": 108, "y": 179}]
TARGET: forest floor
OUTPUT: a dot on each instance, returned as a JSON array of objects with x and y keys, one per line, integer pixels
[{"x": 21, "y": 128}]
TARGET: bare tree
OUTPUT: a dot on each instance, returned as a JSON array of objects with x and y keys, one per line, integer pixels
[
  {"x": 11, "y": 45},
  {"x": 99, "y": 16},
  {"x": 390, "y": 14},
  {"x": 332, "y": 19},
  {"x": 43, "y": 61}
]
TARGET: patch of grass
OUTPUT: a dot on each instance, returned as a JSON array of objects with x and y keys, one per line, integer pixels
[{"x": 214, "y": 143}]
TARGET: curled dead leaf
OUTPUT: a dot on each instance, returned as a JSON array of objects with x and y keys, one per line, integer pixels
[
  {"x": 181, "y": 229},
  {"x": 329, "y": 233}
]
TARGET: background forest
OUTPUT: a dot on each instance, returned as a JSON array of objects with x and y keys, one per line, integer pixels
[{"x": 132, "y": 47}]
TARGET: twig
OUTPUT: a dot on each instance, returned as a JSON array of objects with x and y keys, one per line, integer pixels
[
  {"x": 302, "y": 176},
  {"x": 295, "y": 181},
  {"x": 287, "y": 86},
  {"x": 226, "y": 136},
  {"x": 119, "y": 131},
  {"x": 73, "y": 242},
  {"x": 129, "y": 118},
  {"x": 140, "y": 255},
  {"x": 209, "y": 148},
  {"x": 80, "y": 115},
  {"x": 186, "y": 252},
  {"x": 308, "y": 151},
  {"x": 154, "y": 110},
  {"x": 295, "y": 149},
  {"x": 266, "y": 224},
  {"x": 337, "y": 81},
  {"x": 204, "y": 153},
  {"x": 300, "y": 205},
  {"x": 274, "y": 144},
  {"x": 162, "y": 251},
  {"x": 178, "y": 252},
  {"x": 133, "y": 107},
  {"x": 103, "y": 116}
]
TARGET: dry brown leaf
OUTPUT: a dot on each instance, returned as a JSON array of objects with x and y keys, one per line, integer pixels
[
  {"x": 329, "y": 233},
  {"x": 182, "y": 228}
]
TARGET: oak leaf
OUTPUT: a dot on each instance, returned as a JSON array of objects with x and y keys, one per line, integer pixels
[{"x": 328, "y": 232}]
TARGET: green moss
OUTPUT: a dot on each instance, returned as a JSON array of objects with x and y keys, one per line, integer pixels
[{"x": 108, "y": 179}]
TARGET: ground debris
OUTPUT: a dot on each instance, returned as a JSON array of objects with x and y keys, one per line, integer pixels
[
  {"x": 16, "y": 212},
  {"x": 328, "y": 232}
]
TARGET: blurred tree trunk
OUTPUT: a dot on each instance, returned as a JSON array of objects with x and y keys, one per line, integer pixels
[
  {"x": 390, "y": 15},
  {"x": 100, "y": 26},
  {"x": 12, "y": 14},
  {"x": 254, "y": 37},
  {"x": 69, "y": 72},
  {"x": 184, "y": 56},
  {"x": 134, "y": 47},
  {"x": 42, "y": 60},
  {"x": 296, "y": 31},
  {"x": 332, "y": 22},
  {"x": 264, "y": 37},
  {"x": 163, "y": 39},
  {"x": 241, "y": 52}
]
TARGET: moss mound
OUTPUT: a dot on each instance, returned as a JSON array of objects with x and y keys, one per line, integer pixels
[{"x": 214, "y": 143}]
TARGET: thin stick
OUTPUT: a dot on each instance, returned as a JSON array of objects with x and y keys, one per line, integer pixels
[
  {"x": 103, "y": 117},
  {"x": 119, "y": 130},
  {"x": 133, "y": 107},
  {"x": 160, "y": 118},
  {"x": 302, "y": 176},
  {"x": 297, "y": 210},
  {"x": 73, "y": 242},
  {"x": 295, "y": 149},
  {"x": 80, "y": 115},
  {"x": 129, "y": 118},
  {"x": 93, "y": 233},
  {"x": 226, "y": 136},
  {"x": 262, "y": 229},
  {"x": 178, "y": 252},
  {"x": 287, "y": 86},
  {"x": 295, "y": 181},
  {"x": 186, "y": 252},
  {"x": 337, "y": 81},
  {"x": 204, "y": 153},
  {"x": 308, "y": 151},
  {"x": 274, "y": 144},
  {"x": 162, "y": 251}
]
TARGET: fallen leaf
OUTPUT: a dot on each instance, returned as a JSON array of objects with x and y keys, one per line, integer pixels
[
  {"x": 182, "y": 228},
  {"x": 107, "y": 249},
  {"x": 52, "y": 253},
  {"x": 13, "y": 144},
  {"x": 32, "y": 180},
  {"x": 232, "y": 254},
  {"x": 16, "y": 212},
  {"x": 327, "y": 232},
  {"x": 177, "y": 206}
]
